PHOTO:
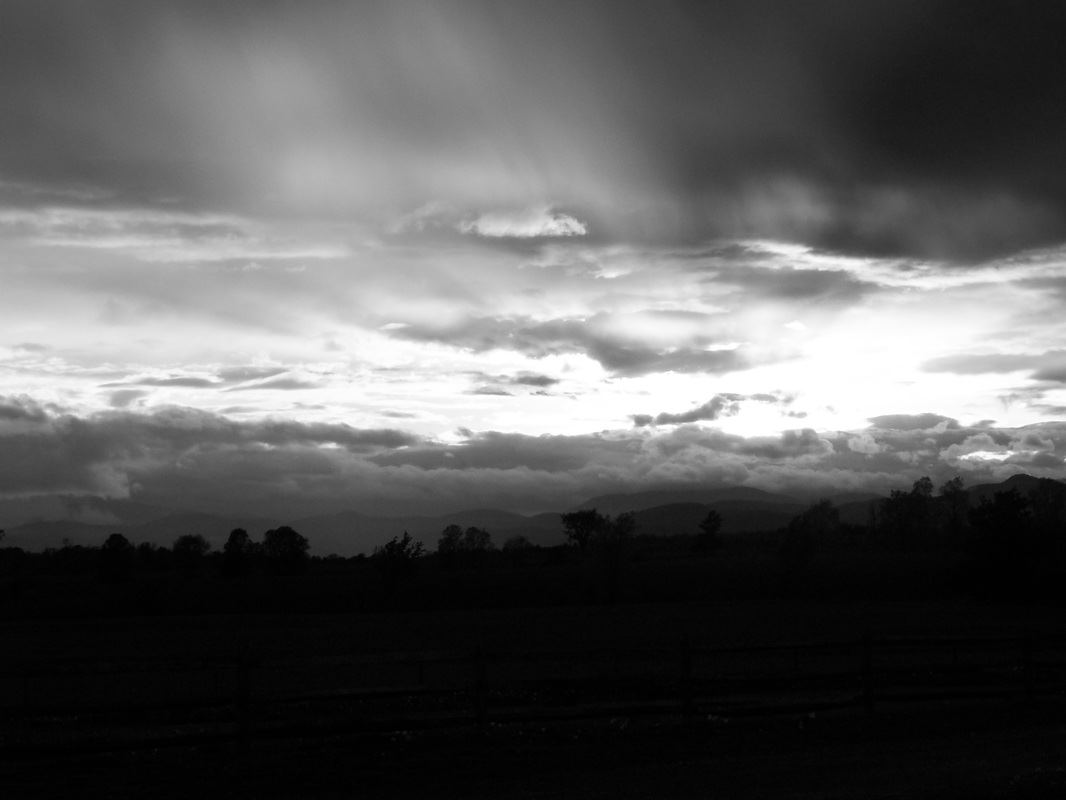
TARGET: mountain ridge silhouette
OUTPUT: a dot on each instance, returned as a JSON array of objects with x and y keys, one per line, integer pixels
[{"x": 658, "y": 512}]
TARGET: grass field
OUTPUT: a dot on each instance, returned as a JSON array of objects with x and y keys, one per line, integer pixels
[
  {"x": 991, "y": 748},
  {"x": 972, "y": 752}
]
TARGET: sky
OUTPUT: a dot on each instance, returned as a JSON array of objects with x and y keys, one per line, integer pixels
[{"x": 282, "y": 257}]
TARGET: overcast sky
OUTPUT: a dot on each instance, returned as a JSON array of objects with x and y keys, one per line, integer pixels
[{"x": 430, "y": 255}]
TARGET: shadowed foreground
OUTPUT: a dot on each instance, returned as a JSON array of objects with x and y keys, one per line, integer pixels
[{"x": 982, "y": 751}]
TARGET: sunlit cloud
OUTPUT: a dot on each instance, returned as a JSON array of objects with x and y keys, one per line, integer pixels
[
  {"x": 159, "y": 236},
  {"x": 615, "y": 248},
  {"x": 530, "y": 224}
]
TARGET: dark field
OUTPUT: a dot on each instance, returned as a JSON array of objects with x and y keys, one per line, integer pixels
[
  {"x": 858, "y": 670},
  {"x": 123, "y": 639},
  {"x": 1000, "y": 746}
]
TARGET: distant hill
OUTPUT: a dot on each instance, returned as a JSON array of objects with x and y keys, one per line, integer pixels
[
  {"x": 41, "y": 535},
  {"x": 1022, "y": 483},
  {"x": 849, "y": 498},
  {"x": 88, "y": 509},
  {"x": 350, "y": 532},
  {"x": 858, "y": 512},
  {"x": 615, "y": 504},
  {"x": 51, "y": 521},
  {"x": 737, "y": 517},
  {"x": 162, "y": 532}
]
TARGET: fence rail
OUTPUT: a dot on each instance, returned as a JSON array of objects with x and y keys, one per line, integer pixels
[{"x": 67, "y": 707}]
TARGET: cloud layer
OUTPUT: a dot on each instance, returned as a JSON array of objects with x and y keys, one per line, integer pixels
[
  {"x": 409, "y": 253},
  {"x": 182, "y": 458},
  {"x": 930, "y": 129}
]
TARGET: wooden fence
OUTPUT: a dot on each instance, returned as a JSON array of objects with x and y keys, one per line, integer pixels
[{"x": 84, "y": 707}]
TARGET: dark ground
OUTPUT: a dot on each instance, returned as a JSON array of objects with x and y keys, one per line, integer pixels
[
  {"x": 985, "y": 750},
  {"x": 993, "y": 748}
]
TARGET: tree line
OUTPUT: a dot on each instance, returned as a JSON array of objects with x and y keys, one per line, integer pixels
[{"x": 999, "y": 541}]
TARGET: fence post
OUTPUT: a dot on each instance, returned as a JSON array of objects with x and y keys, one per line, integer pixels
[
  {"x": 867, "y": 674},
  {"x": 481, "y": 706},
  {"x": 685, "y": 686}
]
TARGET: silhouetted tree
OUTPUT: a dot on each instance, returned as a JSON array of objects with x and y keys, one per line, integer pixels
[
  {"x": 1001, "y": 544},
  {"x": 189, "y": 551},
  {"x": 237, "y": 553},
  {"x": 581, "y": 526},
  {"x": 805, "y": 531},
  {"x": 516, "y": 549},
  {"x": 1047, "y": 502},
  {"x": 400, "y": 549},
  {"x": 116, "y": 558},
  {"x": 451, "y": 540},
  {"x": 396, "y": 560},
  {"x": 610, "y": 543},
  {"x": 475, "y": 546},
  {"x": 73, "y": 559},
  {"x": 153, "y": 558},
  {"x": 956, "y": 505},
  {"x": 910, "y": 518},
  {"x": 285, "y": 550},
  {"x": 710, "y": 528},
  {"x": 1003, "y": 525},
  {"x": 477, "y": 540},
  {"x": 612, "y": 534},
  {"x": 449, "y": 546},
  {"x": 605, "y": 537}
]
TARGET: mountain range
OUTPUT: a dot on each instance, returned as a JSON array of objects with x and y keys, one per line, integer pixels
[{"x": 38, "y": 523}]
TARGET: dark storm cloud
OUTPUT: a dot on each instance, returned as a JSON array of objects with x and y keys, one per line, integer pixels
[
  {"x": 1054, "y": 285},
  {"x": 1046, "y": 460},
  {"x": 231, "y": 377},
  {"x": 182, "y": 382},
  {"x": 1047, "y": 366},
  {"x": 962, "y": 93},
  {"x": 930, "y": 128},
  {"x": 753, "y": 450},
  {"x": 506, "y": 451},
  {"x": 802, "y": 285},
  {"x": 791, "y": 444},
  {"x": 1054, "y": 374},
  {"x": 242, "y": 374},
  {"x": 287, "y": 384},
  {"x": 22, "y": 409},
  {"x": 108, "y": 452},
  {"x": 223, "y": 377},
  {"x": 586, "y": 336},
  {"x": 358, "y": 440},
  {"x": 533, "y": 379},
  {"x": 494, "y": 391},
  {"x": 929, "y": 223},
  {"x": 190, "y": 459},
  {"x": 801, "y": 461},
  {"x": 31, "y": 347},
  {"x": 122, "y": 398},
  {"x": 720, "y": 405},
  {"x": 913, "y": 422},
  {"x": 710, "y": 410}
]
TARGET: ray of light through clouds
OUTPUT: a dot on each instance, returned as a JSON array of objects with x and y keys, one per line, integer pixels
[{"x": 442, "y": 254}]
